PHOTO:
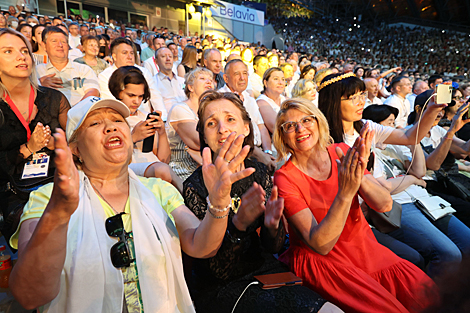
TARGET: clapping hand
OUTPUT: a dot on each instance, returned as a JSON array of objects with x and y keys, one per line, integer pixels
[
  {"x": 251, "y": 207},
  {"x": 351, "y": 168},
  {"x": 39, "y": 138},
  {"x": 220, "y": 175},
  {"x": 274, "y": 210}
]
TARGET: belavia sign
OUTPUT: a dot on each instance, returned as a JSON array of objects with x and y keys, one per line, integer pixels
[{"x": 238, "y": 13}]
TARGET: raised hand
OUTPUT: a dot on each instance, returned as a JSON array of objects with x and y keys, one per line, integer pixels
[
  {"x": 274, "y": 209},
  {"x": 220, "y": 175},
  {"x": 39, "y": 138},
  {"x": 351, "y": 169},
  {"x": 142, "y": 130},
  {"x": 64, "y": 196},
  {"x": 251, "y": 207},
  {"x": 457, "y": 121}
]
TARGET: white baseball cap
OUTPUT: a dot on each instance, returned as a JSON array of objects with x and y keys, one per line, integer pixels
[{"x": 78, "y": 113}]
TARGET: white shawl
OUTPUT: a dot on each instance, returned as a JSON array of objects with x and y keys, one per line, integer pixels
[{"x": 89, "y": 281}]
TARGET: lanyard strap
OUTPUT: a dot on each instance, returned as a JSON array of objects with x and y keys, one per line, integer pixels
[{"x": 19, "y": 115}]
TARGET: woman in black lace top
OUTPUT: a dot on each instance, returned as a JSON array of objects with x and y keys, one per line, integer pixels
[
  {"x": 28, "y": 114},
  {"x": 217, "y": 282}
]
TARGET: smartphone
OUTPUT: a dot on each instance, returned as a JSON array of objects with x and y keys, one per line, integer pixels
[
  {"x": 147, "y": 145},
  {"x": 444, "y": 94},
  {"x": 271, "y": 281}
]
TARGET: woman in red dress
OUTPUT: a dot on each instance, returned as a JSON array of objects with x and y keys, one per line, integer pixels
[{"x": 332, "y": 246}]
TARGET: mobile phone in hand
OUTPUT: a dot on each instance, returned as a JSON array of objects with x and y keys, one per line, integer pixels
[{"x": 147, "y": 145}]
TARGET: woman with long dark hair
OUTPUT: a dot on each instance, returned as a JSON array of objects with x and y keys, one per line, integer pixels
[{"x": 188, "y": 61}]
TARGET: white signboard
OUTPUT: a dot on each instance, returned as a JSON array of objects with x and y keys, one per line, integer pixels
[{"x": 238, "y": 13}]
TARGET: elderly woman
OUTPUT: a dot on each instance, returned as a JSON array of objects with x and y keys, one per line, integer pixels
[
  {"x": 271, "y": 97},
  {"x": 181, "y": 124},
  {"x": 100, "y": 239},
  {"x": 91, "y": 47},
  {"x": 29, "y": 114},
  {"x": 332, "y": 246},
  {"x": 220, "y": 280},
  {"x": 305, "y": 88}
]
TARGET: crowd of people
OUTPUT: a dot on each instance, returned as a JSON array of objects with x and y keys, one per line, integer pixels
[
  {"x": 417, "y": 49},
  {"x": 149, "y": 170}
]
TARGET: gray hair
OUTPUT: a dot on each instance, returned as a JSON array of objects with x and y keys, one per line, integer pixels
[
  {"x": 207, "y": 52},
  {"x": 192, "y": 76}
]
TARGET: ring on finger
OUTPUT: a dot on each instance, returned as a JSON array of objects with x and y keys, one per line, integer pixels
[{"x": 226, "y": 160}]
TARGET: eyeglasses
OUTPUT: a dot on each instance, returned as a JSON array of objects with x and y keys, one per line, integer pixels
[
  {"x": 120, "y": 253},
  {"x": 289, "y": 127},
  {"x": 357, "y": 99},
  {"x": 458, "y": 98}
]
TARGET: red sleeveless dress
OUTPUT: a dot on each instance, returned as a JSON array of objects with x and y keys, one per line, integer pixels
[{"x": 358, "y": 274}]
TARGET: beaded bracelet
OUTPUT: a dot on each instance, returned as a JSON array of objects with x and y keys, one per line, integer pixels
[
  {"x": 217, "y": 216},
  {"x": 210, "y": 206}
]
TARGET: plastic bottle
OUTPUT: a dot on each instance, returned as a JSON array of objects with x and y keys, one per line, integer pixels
[{"x": 5, "y": 267}]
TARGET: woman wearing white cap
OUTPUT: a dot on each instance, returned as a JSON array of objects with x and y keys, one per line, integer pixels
[{"x": 69, "y": 229}]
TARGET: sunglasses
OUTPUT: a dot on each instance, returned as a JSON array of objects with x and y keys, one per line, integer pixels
[{"x": 120, "y": 253}]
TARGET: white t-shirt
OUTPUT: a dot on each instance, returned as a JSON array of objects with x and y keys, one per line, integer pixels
[
  {"x": 381, "y": 134},
  {"x": 392, "y": 161},
  {"x": 179, "y": 112},
  {"x": 137, "y": 155},
  {"x": 28, "y": 5},
  {"x": 403, "y": 106}
]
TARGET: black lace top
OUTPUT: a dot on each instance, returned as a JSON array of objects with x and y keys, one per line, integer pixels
[
  {"x": 233, "y": 259},
  {"x": 52, "y": 108}
]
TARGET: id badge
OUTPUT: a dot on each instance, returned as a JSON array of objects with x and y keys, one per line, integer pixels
[{"x": 37, "y": 167}]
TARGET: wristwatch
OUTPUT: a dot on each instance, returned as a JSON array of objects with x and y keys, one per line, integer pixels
[{"x": 234, "y": 235}]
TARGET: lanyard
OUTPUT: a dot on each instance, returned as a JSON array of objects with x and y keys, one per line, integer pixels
[{"x": 19, "y": 115}]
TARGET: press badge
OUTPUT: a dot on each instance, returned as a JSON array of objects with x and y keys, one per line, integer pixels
[{"x": 37, "y": 167}]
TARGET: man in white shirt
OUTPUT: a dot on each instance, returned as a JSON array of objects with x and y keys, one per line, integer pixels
[
  {"x": 74, "y": 35},
  {"x": 123, "y": 55},
  {"x": 76, "y": 81},
  {"x": 401, "y": 87},
  {"x": 183, "y": 42},
  {"x": 174, "y": 49},
  {"x": 236, "y": 79},
  {"x": 419, "y": 87},
  {"x": 260, "y": 65},
  {"x": 170, "y": 85},
  {"x": 372, "y": 87},
  {"x": 151, "y": 63}
]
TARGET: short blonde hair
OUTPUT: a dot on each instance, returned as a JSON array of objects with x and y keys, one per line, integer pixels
[
  {"x": 299, "y": 89},
  {"x": 305, "y": 106}
]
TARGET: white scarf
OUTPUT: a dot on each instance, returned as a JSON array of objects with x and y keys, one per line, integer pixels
[{"x": 89, "y": 281}]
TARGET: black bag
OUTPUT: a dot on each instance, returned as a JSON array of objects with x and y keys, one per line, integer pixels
[
  {"x": 13, "y": 196},
  {"x": 453, "y": 185},
  {"x": 385, "y": 222}
]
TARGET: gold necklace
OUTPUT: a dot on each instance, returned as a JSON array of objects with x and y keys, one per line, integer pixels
[{"x": 101, "y": 196}]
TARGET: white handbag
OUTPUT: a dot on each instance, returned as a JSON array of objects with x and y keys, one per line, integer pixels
[{"x": 435, "y": 207}]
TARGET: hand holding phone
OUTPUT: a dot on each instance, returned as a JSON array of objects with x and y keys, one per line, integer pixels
[{"x": 147, "y": 145}]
